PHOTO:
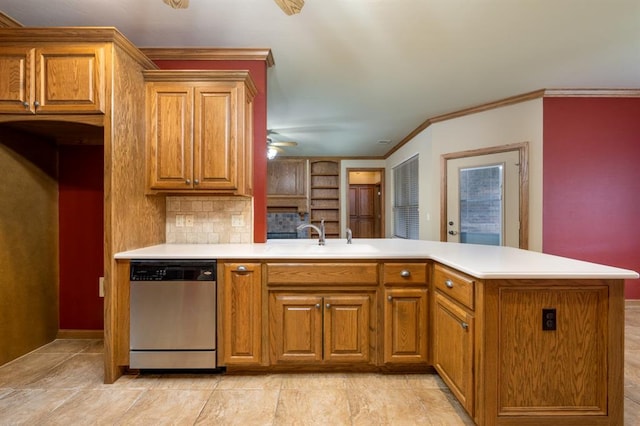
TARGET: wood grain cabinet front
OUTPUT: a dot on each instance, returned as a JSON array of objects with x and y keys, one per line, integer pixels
[
  {"x": 52, "y": 79},
  {"x": 320, "y": 328},
  {"x": 199, "y": 131},
  {"x": 405, "y": 313},
  {"x": 241, "y": 314},
  {"x": 453, "y": 347}
]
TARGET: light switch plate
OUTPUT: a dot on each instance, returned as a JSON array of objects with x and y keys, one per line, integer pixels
[
  {"x": 101, "y": 286},
  {"x": 179, "y": 220}
]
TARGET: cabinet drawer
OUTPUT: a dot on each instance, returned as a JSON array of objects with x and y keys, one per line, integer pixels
[
  {"x": 405, "y": 273},
  {"x": 454, "y": 284},
  {"x": 322, "y": 273}
]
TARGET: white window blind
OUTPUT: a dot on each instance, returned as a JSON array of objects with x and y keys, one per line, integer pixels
[{"x": 405, "y": 199}]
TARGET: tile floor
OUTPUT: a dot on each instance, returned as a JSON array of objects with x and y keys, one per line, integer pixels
[{"x": 61, "y": 384}]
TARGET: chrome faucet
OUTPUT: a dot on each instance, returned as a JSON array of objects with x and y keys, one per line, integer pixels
[
  {"x": 320, "y": 230},
  {"x": 349, "y": 235}
]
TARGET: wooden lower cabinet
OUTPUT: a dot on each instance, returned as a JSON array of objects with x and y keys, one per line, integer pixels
[
  {"x": 241, "y": 314},
  {"x": 405, "y": 325},
  {"x": 320, "y": 328},
  {"x": 453, "y": 345}
]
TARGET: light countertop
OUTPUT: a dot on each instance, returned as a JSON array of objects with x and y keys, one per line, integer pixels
[{"x": 480, "y": 261}]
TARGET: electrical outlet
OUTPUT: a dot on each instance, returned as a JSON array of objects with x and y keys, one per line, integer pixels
[
  {"x": 549, "y": 319},
  {"x": 179, "y": 220},
  {"x": 101, "y": 286},
  {"x": 188, "y": 220}
]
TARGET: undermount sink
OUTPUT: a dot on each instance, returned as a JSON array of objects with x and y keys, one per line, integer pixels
[{"x": 311, "y": 247}]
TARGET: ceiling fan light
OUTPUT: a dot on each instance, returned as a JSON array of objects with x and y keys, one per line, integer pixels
[
  {"x": 177, "y": 4},
  {"x": 271, "y": 153},
  {"x": 290, "y": 7}
]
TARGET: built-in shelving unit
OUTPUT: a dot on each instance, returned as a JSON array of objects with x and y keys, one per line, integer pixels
[{"x": 325, "y": 195}]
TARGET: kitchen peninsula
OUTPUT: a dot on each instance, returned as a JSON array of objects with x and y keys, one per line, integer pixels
[{"x": 519, "y": 337}]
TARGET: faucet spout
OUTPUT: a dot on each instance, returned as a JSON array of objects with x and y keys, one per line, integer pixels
[{"x": 319, "y": 230}]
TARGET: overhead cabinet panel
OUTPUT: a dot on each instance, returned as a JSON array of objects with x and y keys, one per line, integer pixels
[
  {"x": 203, "y": 140},
  {"x": 56, "y": 79}
]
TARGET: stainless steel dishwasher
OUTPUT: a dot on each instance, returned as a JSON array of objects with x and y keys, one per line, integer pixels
[{"x": 173, "y": 314}]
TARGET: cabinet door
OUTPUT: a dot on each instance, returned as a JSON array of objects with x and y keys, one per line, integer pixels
[
  {"x": 17, "y": 73},
  {"x": 287, "y": 178},
  {"x": 170, "y": 136},
  {"x": 295, "y": 322},
  {"x": 216, "y": 141},
  {"x": 241, "y": 314},
  {"x": 453, "y": 349},
  {"x": 405, "y": 325},
  {"x": 346, "y": 328},
  {"x": 70, "y": 79}
]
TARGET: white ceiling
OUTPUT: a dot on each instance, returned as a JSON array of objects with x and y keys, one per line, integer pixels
[{"x": 349, "y": 73}]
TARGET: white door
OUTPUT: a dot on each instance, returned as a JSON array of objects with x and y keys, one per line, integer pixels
[{"x": 483, "y": 199}]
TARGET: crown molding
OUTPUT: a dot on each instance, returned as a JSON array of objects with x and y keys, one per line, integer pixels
[
  {"x": 209, "y": 54},
  {"x": 542, "y": 93},
  {"x": 7, "y": 21}
]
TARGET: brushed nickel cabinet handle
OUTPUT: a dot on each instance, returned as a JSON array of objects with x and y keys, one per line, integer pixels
[
  {"x": 242, "y": 268},
  {"x": 188, "y": 181},
  {"x": 449, "y": 283},
  {"x": 389, "y": 298},
  {"x": 464, "y": 325},
  {"x": 196, "y": 181},
  {"x": 405, "y": 273},
  {"x": 318, "y": 305},
  {"x": 328, "y": 305}
]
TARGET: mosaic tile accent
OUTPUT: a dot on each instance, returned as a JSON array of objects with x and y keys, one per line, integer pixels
[{"x": 209, "y": 220}]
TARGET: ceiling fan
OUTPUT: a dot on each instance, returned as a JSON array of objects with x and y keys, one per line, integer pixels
[
  {"x": 290, "y": 7},
  {"x": 274, "y": 147}
]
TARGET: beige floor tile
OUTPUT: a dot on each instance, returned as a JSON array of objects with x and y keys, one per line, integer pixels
[
  {"x": 385, "y": 406},
  {"x": 313, "y": 407},
  {"x": 442, "y": 408},
  {"x": 262, "y": 381},
  {"x": 92, "y": 407},
  {"x": 79, "y": 371},
  {"x": 632, "y": 368},
  {"x": 27, "y": 406},
  {"x": 29, "y": 368},
  {"x": 631, "y": 412},
  {"x": 246, "y": 407},
  {"x": 187, "y": 381},
  {"x": 95, "y": 347},
  {"x": 166, "y": 407},
  {"x": 68, "y": 346},
  {"x": 425, "y": 381},
  {"x": 377, "y": 381},
  {"x": 314, "y": 381}
]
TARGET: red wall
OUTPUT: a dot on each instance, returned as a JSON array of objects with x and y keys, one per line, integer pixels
[
  {"x": 258, "y": 71},
  {"x": 591, "y": 174},
  {"x": 81, "y": 206}
]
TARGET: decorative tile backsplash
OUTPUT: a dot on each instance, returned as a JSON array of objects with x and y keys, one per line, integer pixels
[{"x": 209, "y": 220}]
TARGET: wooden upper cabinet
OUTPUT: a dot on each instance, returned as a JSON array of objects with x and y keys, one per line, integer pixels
[
  {"x": 55, "y": 79},
  {"x": 199, "y": 131},
  {"x": 287, "y": 178}
]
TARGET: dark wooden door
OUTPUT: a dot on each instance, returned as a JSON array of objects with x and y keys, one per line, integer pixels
[{"x": 363, "y": 217}]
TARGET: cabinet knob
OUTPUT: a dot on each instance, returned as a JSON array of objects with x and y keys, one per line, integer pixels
[
  {"x": 188, "y": 181},
  {"x": 389, "y": 298},
  {"x": 36, "y": 104},
  {"x": 405, "y": 273},
  {"x": 196, "y": 181},
  {"x": 449, "y": 283},
  {"x": 328, "y": 305},
  {"x": 464, "y": 325},
  {"x": 318, "y": 305},
  {"x": 242, "y": 268},
  {"x": 25, "y": 105}
]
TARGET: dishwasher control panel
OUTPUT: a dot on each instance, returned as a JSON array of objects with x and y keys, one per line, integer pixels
[{"x": 173, "y": 271}]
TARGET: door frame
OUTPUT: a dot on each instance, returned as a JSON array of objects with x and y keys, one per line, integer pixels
[
  {"x": 523, "y": 154},
  {"x": 380, "y": 170}
]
